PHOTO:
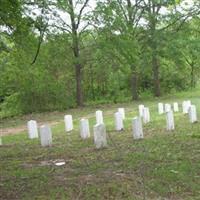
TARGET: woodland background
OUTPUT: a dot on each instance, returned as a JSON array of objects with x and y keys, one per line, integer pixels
[{"x": 60, "y": 54}]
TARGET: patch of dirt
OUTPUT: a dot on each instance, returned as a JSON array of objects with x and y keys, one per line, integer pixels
[{"x": 19, "y": 129}]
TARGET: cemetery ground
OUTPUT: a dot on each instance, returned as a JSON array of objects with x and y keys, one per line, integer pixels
[{"x": 163, "y": 165}]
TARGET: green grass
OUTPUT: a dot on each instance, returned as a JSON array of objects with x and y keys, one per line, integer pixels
[{"x": 164, "y": 165}]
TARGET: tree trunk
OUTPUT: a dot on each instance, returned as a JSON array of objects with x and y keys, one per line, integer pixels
[
  {"x": 76, "y": 51},
  {"x": 156, "y": 80},
  {"x": 193, "y": 82},
  {"x": 134, "y": 85},
  {"x": 79, "y": 94}
]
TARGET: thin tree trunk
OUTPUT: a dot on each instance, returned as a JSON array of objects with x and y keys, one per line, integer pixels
[
  {"x": 134, "y": 85},
  {"x": 193, "y": 82},
  {"x": 79, "y": 94},
  {"x": 156, "y": 80},
  {"x": 76, "y": 51}
]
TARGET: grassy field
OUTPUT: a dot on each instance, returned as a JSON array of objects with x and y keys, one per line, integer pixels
[{"x": 164, "y": 165}]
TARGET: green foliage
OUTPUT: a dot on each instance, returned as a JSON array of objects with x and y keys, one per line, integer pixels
[{"x": 118, "y": 55}]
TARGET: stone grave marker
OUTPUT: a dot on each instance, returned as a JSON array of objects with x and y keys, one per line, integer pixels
[
  {"x": 146, "y": 115},
  {"x": 119, "y": 126},
  {"x": 32, "y": 129},
  {"x": 100, "y": 136},
  {"x": 137, "y": 128},
  {"x": 170, "y": 120},
  {"x": 160, "y": 108},
  {"x": 68, "y": 123},
  {"x": 84, "y": 128},
  {"x": 99, "y": 117},
  {"x": 122, "y": 112},
  {"x": 167, "y": 107},
  {"x": 175, "y": 105},
  {"x": 45, "y": 135},
  {"x": 141, "y": 107},
  {"x": 192, "y": 114}
]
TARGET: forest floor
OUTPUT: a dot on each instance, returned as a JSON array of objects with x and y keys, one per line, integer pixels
[{"x": 164, "y": 165}]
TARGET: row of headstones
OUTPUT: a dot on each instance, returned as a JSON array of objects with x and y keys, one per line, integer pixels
[
  {"x": 187, "y": 108},
  {"x": 99, "y": 128}
]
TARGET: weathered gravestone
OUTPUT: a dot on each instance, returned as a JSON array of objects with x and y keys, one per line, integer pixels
[
  {"x": 68, "y": 123},
  {"x": 160, "y": 108},
  {"x": 84, "y": 128},
  {"x": 146, "y": 115},
  {"x": 99, "y": 117},
  {"x": 170, "y": 120},
  {"x": 122, "y": 112},
  {"x": 193, "y": 114},
  {"x": 100, "y": 136},
  {"x": 141, "y": 107},
  {"x": 137, "y": 128},
  {"x": 167, "y": 107},
  {"x": 32, "y": 129},
  {"x": 175, "y": 105},
  {"x": 45, "y": 135},
  {"x": 185, "y": 106},
  {"x": 119, "y": 126}
]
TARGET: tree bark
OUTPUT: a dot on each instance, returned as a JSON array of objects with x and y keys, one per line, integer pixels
[
  {"x": 156, "y": 79},
  {"x": 76, "y": 52},
  {"x": 193, "y": 82},
  {"x": 134, "y": 85}
]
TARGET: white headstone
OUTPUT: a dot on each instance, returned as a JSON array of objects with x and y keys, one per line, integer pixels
[
  {"x": 146, "y": 115},
  {"x": 170, "y": 120},
  {"x": 119, "y": 126},
  {"x": 175, "y": 107},
  {"x": 100, "y": 136},
  {"x": 167, "y": 107},
  {"x": 137, "y": 128},
  {"x": 122, "y": 112},
  {"x": 99, "y": 117},
  {"x": 160, "y": 108},
  {"x": 185, "y": 106},
  {"x": 140, "y": 107},
  {"x": 68, "y": 123},
  {"x": 32, "y": 129},
  {"x": 193, "y": 114},
  {"x": 45, "y": 135},
  {"x": 84, "y": 128},
  {"x": 188, "y": 102}
]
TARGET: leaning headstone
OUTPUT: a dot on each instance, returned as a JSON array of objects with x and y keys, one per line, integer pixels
[
  {"x": 137, "y": 128},
  {"x": 122, "y": 112},
  {"x": 175, "y": 105},
  {"x": 146, "y": 115},
  {"x": 160, "y": 108},
  {"x": 45, "y": 135},
  {"x": 119, "y": 126},
  {"x": 32, "y": 129},
  {"x": 167, "y": 107},
  {"x": 68, "y": 123},
  {"x": 99, "y": 117},
  {"x": 193, "y": 114},
  {"x": 141, "y": 107},
  {"x": 170, "y": 120},
  {"x": 84, "y": 128},
  {"x": 100, "y": 136}
]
